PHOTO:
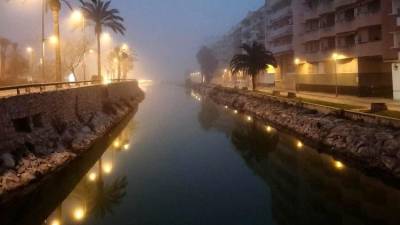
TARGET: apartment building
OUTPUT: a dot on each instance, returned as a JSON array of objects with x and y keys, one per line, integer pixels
[
  {"x": 344, "y": 46},
  {"x": 396, "y": 45},
  {"x": 279, "y": 40},
  {"x": 250, "y": 29}
]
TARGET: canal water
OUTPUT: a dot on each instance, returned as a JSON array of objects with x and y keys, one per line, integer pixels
[{"x": 183, "y": 160}]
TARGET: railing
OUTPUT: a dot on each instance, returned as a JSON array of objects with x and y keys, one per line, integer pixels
[{"x": 41, "y": 87}]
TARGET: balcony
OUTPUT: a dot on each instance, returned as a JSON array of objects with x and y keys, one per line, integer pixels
[
  {"x": 327, "y": 32},
  {"x": 282, "y": 31},
  {"x": 274, "y": 16},
  {"x": 364, "y": 20},
  {"x": 281, "y": 48},
  {"x": 325, "y": 8},
  {"x": 365, "y": 49},
  {"x": 311, "y": 14},
  {"x": 311, "y": 36},
  {"x": 340, "y": 3}
]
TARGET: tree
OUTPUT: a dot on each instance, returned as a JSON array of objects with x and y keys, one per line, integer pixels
[
  {"x": 74, "y": 55},
  {"x": 254, "y": 60},
  {"x": 120, "y": 60},
  {"x": 17, "y": 64},
  {"x": 208, "y": 63},
  {"x": 55, "y": 7},
  {"x": 101, "y": 15},
  {"x": 4, "y": 43}
]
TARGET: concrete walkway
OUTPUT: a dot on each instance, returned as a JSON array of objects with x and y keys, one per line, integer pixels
[{"x": 363, "y": 102}]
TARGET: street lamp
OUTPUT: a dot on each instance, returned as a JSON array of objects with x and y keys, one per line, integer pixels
[
  {"x": 29, "y": 50},
  {"x": 53, "y": 40},
  {"x": 78, "y": 17},
  {"x": 335, "y": 57},
  {"x": 297, "y": 63}
]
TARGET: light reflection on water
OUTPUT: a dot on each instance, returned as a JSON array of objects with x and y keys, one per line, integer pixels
[
  {"x": 307, "y": 187},
  {"x": 100, "y": 190}
]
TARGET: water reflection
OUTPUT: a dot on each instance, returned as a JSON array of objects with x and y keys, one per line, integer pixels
[
  {"x": 88, "y": 188},
  {"x": 306, "y": 187},
  {"x": 99, "y": 191}
]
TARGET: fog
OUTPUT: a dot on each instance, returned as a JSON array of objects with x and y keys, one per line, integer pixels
[{"x": 164, "y": 34}]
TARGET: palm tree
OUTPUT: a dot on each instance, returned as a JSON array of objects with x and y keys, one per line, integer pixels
[
  {"x": 254, "y": 60},
  {"x": 4, "y": 43},
  {"x": 101, "y": 15},
  {"x": 55, "y": 7}
]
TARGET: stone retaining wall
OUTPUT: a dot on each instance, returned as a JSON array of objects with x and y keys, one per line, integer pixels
[
  {"x": 41, "y": 131},
  {"x": 373, "y": 143}
]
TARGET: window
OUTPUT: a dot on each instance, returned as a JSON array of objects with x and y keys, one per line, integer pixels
[
  {"x": 312, "y": 46},
  {"x": 327, "y": 20},
  {"x": 312, "y": 25},
  {"x": 328, "y": 44},
  {"x": 396, "y": 39},
  {"x": 349, "y": 15},
  {"x": 375, "y": 33}
]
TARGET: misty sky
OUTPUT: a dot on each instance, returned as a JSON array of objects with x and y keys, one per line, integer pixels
[{"x": 165, "y": 33}]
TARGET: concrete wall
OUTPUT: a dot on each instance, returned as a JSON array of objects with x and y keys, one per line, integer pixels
[{"x": 32, "y": 116}]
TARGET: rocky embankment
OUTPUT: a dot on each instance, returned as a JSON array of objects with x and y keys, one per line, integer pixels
[
  {"x": 32, "y": 155},
  {"x": 371, "y": 145}
]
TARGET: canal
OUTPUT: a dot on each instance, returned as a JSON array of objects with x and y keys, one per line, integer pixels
[{"x": 183, "y": 160}]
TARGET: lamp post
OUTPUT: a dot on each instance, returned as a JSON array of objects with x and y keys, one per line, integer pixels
[
  {"x": 43, "y": 40},
  {"x": 297, "y": 63},
  {"x": 29, "y": 50},
  {"x": 77, "y": 17},
  {"x": 335, "y": 57}
]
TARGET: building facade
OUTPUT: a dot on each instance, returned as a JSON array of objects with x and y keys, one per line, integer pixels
[
  {"x": 346, "y": 47},
  {"x": 280, "y": 39}
]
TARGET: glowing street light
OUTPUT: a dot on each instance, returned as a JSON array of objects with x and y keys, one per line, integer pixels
[
  {"x": 249, "y": 118},
  {"x": 107, "y": 168},
  {"x": 77, "y": 16},
  {"x": 29, "y": 49},
  {"x": 125, "y": 47},
  {"x": 106, "y": 37},
  {"x": 53, "y": 40},
  {"x": 297, "y": 61}
]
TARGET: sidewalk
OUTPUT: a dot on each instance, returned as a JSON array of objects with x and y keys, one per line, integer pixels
[{"x": 363, "y": 102}]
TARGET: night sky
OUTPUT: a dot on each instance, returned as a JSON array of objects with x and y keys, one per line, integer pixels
[{"x": 165, "y": 33}]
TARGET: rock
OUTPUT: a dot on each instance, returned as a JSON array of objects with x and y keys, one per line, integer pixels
[
  {"x": 86, "y": 129},
  {"x": 389, "y": 162},
  {"x": 7, "y": 161},
  {"x": 42, "y": 150}
]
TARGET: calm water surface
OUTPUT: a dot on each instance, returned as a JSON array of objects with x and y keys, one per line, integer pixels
[{"x": 185, "y": 161}]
